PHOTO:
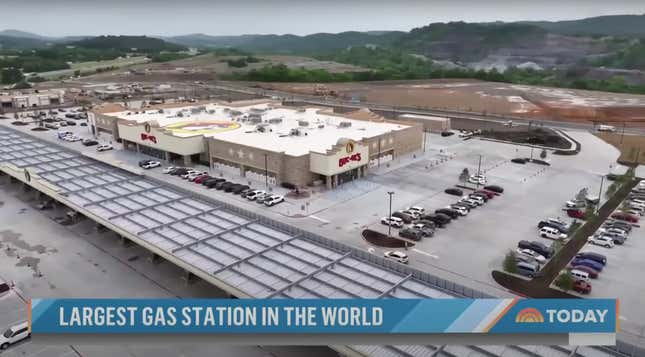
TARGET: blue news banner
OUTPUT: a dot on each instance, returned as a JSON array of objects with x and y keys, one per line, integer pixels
[{"x": 319, "y": 316}]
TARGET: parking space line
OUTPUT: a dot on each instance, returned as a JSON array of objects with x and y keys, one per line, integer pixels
[
  {"x": 426, "y": 253},
  {"x": 318, "y": 219}
]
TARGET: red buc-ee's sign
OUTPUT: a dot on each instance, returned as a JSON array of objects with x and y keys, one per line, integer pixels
[{"x": 345, "y": 160}]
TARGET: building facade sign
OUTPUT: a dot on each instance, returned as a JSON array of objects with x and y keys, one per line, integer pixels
[
  {"x": 153, "y": 136},
  {"x": 344, "y": 158}
]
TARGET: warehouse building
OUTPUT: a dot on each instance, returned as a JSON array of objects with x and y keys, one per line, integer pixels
[
  {"x": 300, "y": 146},
  {"x": 33, "y": 99}
]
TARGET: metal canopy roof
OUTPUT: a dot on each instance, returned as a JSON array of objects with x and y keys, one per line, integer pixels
[{"x": 247, "y": 252}]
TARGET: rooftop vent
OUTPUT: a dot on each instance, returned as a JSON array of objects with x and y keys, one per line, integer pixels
[
  {"x": 275, "y": 120},
  {"x": 345, "y": 124},
  {"x": 303, "y": 123}
]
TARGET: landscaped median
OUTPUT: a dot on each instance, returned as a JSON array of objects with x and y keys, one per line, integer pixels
[{"x": 539, "y": 287}]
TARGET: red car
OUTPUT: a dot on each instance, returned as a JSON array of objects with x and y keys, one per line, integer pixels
[
  {"x": 625, "y": 217},
  {"x": 489, "y": 194},
  {"x": 582, "y": 287},
  {"x": 576, "y": 213},
  {"x": 200, "y": 179},
  {"x": 593, "y": 273}
]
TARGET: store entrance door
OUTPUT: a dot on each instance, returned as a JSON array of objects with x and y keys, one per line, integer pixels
[{"x": 348, "y": 176}]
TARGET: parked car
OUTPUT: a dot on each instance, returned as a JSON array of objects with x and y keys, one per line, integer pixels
[
  {"x": 494, "y": 188},
  {"x": 471, "y": 202},
  {"x": 14, "y": 334},
  {"x": 477, "y": 198},
  {"x": 254, "y": 194},
  {"x": 181, "y": 171},
  {"x": 419, "y": 210},
  {"x": 618, "y": 240},
  {"x": 392, "y": 221},
  {"x": 231, "y": 188},
  {"x": 413, "y": 214},
  {"x": 593, "y": 273},
  {"x": 410, "y": 233},
  {"x": 467, "y": 203},
  {"x": 457, "y": 205},
  {"x": 238, "y": 190},
  {"x": 223, "y": 185},
  {"x": 619, "y": 224},
  {"x": 427, "y": 223},
  {"x": 407, "y": 219},
  {"x": 536, "y": 246},
  {"x": 602, "y": 241},
  {"x": 210, "y": 182},
  {"x": 625, "y": 217},
  {"x": 274, "y": 200},
  {"x": 530, "y": 270},
  {"x": 583, "y": 287},
  {"x": 151, "y": 164},
  {"x": 533, "y": 254},
  {"x": 588, "y": 263},
  {"x": 575, "y": 204},
  {"x": 397, "y": 256},
  {"x": 551, "y": 233},
  {"x": 462, "y": 211},
  {"x": 438, "y": 219},
  {"x": 576, "y": 213},
  {"x": 454, "y": 191},
  {"x": 104, "y": 147},
  {"x": 426, "y": 231},
  {"x": 202, "y": 178},
  {"x": 169, "y": 169},
  {"x": 144, "y": 162},
  {"x": 477, "y": 179},
  {"x": 489, "y": 194},
  {"x": 194, "y": 175},
  {"x": 448, "y": 212},
  {"x": 554, "y": 223},
  {"x": 89, "y": 142},
  {"x": 263, "y": 197},
  {"x": 519, "y": 160}
]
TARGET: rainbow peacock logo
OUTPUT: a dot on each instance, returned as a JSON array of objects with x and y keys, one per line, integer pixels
[{"x": 529, "y": 315}]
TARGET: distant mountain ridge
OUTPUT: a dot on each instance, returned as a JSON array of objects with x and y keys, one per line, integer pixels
[{"x": 612, "y": 25}]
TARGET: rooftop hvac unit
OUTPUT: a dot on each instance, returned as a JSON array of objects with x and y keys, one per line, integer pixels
[
  {"x": 301, "y": 110},
  {"x": 321, "y": 126},
  {"x": 303, "y": 123},
  {"x": 275, "y": 120},
  {"x": 255, "y": 120},
  {"x": 211, "y": 111},
  {"x": 345, "y": 124}
]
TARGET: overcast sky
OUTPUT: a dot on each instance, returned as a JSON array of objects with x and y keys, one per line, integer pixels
[{"x": 216, "y": 17}]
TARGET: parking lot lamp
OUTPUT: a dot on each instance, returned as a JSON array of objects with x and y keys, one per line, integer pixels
[
  {"x": 389, "y": 226},
  {"x": 602, "y": 180}
]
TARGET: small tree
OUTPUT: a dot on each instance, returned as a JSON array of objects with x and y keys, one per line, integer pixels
[
  {"x": 463, "y": 177},
  {"x": 564, "y": 281},
  {"x": 582, "y": 194},
  {"x": 510, "y": 262},
  {"x": 543, "y": 154}
]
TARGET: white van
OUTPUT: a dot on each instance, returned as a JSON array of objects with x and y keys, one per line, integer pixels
[
  {"x": 580, "y": 275},
  {"x": 14, "y": 334}
]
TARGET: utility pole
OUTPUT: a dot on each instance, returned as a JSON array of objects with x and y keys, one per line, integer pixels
[
  {"x": 479, "y": 167},
  {"x": 266, "y": 170},
  {"x": 424, "y": 140},
  {"x": 602, "y": 179},
  {"x": 379, "y": 152},
  {"x": 622, "y": 135},
  {"x": 389, "y": 226},
  {"x": 531, "y": 152}
]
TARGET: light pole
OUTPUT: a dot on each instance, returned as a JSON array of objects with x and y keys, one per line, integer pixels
[
  {"x": 389, "y": 225},
  {"x": 266, "y": 170},
  {"x": 602, "y": 180},
  {"x": 479, "y": 166}
]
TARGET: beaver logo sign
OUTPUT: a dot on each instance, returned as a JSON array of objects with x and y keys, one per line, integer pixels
[
  {"x": 146, "y": 128},
  {"x": 349, "y": 147},
  {"x": 27, "y": 176}
]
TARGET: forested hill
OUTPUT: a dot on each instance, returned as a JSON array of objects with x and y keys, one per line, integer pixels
[{"x": 127, "y": 43}]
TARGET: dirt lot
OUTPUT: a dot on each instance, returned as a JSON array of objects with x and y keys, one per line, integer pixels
[
  {"x": 488, "y": 97},
  {"x": 631, "y": 146}
]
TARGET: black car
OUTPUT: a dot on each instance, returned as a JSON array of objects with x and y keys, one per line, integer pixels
[
  {"x": 448, "y": 212},
  {"x": 222, "y": 185},
  {"x": 90, "y": 142},
  {"x": 537, "y": 247},
  {"x": 238, "y": 190},
  {"x": 593, "y": 256},
  {"x": 176, "y": 172},
  {"x": 447, "y": 133},
  {"x": 69, "y": 122},
  {"x": 440, "y": 220},
  {"x": 494, "y": 188},
  {"x": 427, "y": 223},
  {"x": 557, "y": 225},
  {"x": 618, "y": 224},
  {"x": 232, "y": 187},
  {"x": 612, "y": 177},
  {"x": 520, "y": 160},
  {"x": 404, "y": 217},
  {"x": 454, "y": 191},
  {"x": 410, "y": 233},
  {"x": 212, "y": 181}
]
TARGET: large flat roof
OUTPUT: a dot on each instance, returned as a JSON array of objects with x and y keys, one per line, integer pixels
[{"x": 317, "y": 129}]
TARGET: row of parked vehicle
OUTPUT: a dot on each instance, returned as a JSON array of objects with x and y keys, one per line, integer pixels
[
  {"x": 416, "y": 223},
  {"x": 71, "y": 137},
  {"x": 218, "y": 183},
  {"x": 530, "y": 256}
]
